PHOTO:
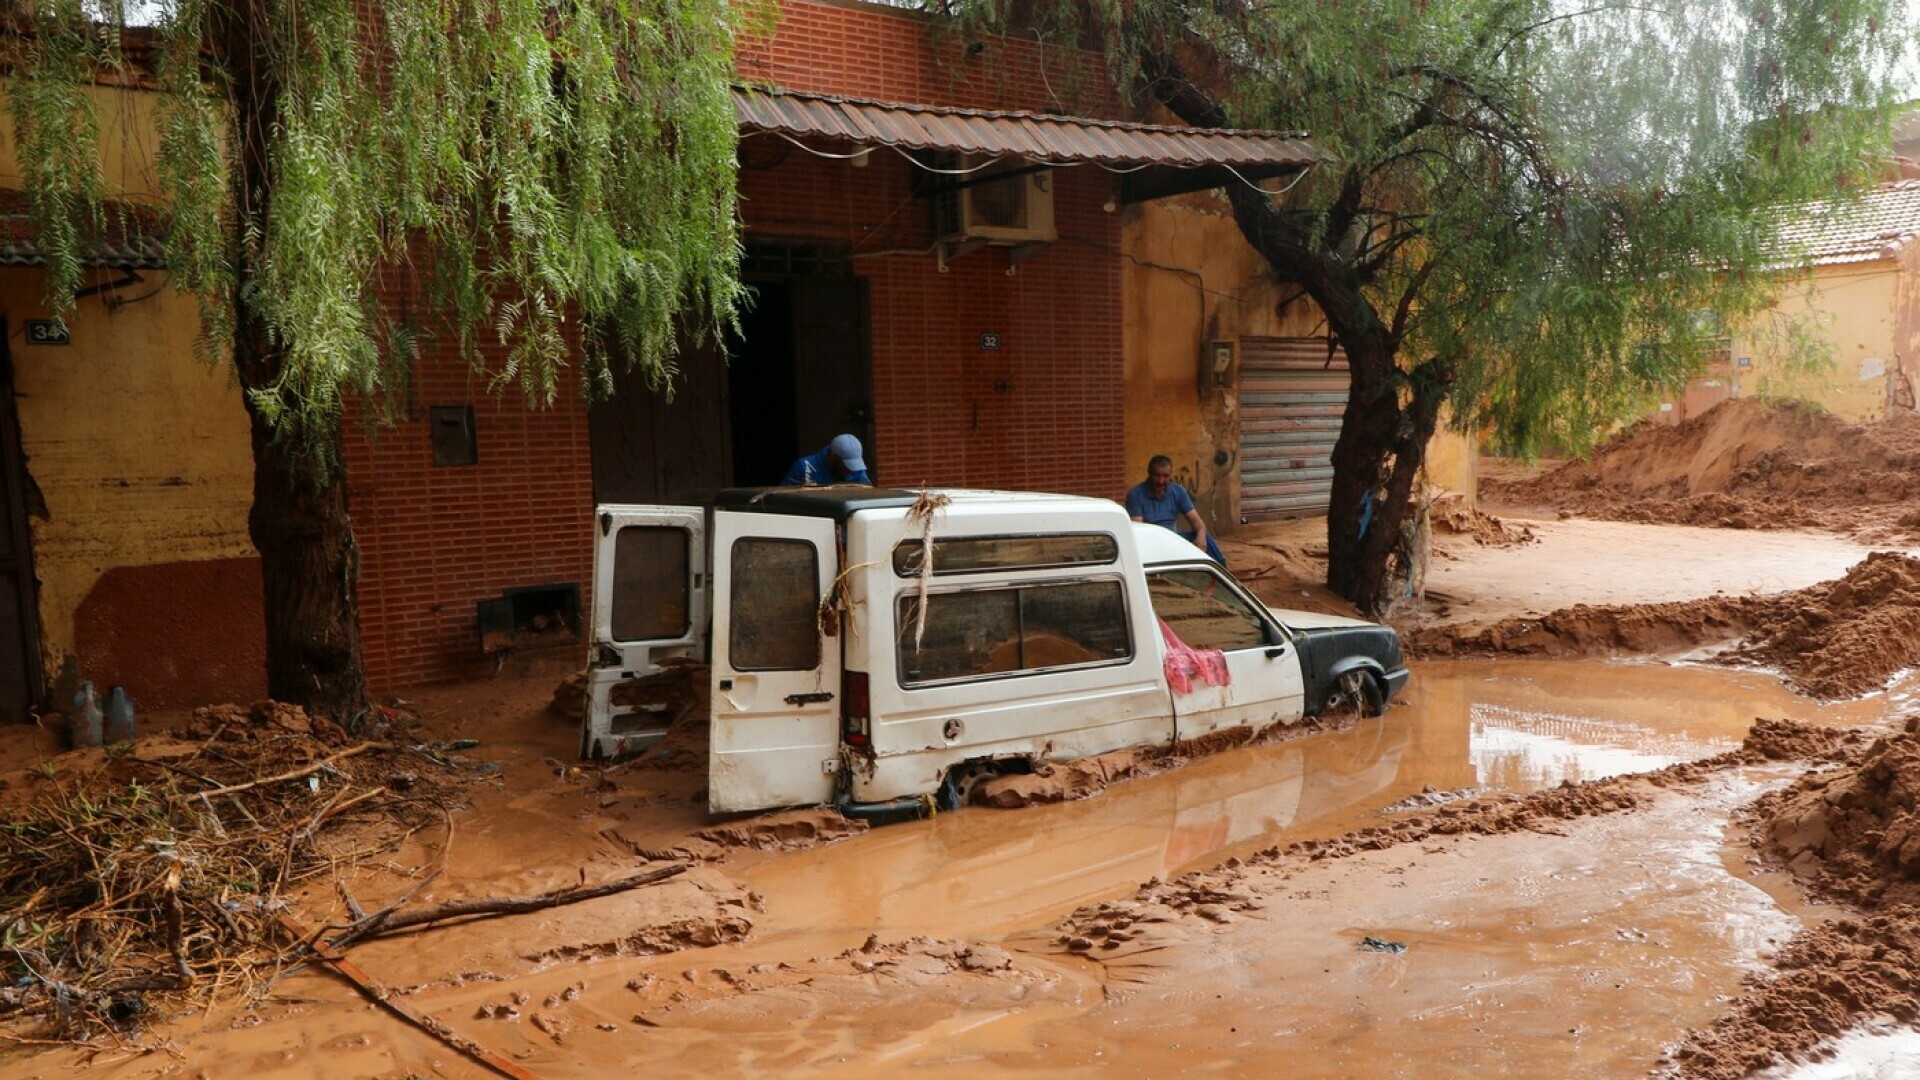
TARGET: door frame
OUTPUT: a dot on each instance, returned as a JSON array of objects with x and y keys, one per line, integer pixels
[{"x": 13, "y": 460}]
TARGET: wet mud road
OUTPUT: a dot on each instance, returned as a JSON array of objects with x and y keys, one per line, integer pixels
[{"x": 1583, "y": 947}]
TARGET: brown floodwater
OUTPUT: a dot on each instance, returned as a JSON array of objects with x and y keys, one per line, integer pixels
[
  {"x": 1490, "y": 726},
  {"x": 1584, "y": 952}
]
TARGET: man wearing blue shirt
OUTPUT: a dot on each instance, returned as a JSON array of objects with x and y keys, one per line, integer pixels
[
  {"x": 840, "y": 463},
  {"x": 1160, "y": 501}
]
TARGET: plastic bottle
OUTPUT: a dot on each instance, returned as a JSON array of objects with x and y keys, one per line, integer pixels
[
  {"x": 119, "y": 726},
  {"x": 84, "y": 720}
]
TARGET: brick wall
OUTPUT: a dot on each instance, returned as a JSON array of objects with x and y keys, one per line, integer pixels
[
  {"x": 864, "y": 51},
  {"x": 437, "y": 539},
  {"x": 1042, "y": 412}
]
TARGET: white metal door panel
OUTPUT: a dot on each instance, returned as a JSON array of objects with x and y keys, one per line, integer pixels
[
  {"x": 1204, "y": 609},
  {"x": 649, "y": 603},
  {"x": 775, "y": 739}
]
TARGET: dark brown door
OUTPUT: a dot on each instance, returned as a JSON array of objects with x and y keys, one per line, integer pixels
[
  {"x": 647, "y": 449},
  {"x": 831, "y": 378},
  {"x": 20, "y": 678}
]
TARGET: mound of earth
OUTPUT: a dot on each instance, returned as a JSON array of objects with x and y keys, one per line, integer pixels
[
  {"x": 1452, "y": 513},
  {"x": 1853, "y": 833},
  {"x": 1838, "y": 639},
  {"x": 1850, "y": 834},
  {"x": 1744, "y": 464}
]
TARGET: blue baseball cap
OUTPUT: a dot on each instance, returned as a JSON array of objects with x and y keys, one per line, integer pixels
[{"x": 847, "y": 449}]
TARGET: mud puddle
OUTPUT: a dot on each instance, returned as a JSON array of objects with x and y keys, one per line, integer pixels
[{"x": 1482, "y": 726}]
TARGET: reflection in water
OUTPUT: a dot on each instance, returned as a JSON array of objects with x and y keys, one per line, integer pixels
[
  {"x": 1514, "y": 750},
  {"x": 1492, "y": 725}
]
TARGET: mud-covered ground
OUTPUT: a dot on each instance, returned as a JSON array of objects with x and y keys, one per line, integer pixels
[{"x": 1711, "y": 918}]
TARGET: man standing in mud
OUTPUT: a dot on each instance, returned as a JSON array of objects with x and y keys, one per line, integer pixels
[{"x": 1160, "y": 501}]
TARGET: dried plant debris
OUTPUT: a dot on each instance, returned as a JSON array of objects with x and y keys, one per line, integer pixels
[{"x": 149, "y": 879}]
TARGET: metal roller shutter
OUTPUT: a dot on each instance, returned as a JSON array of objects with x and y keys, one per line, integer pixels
[{"x": 1292, "y": 396}]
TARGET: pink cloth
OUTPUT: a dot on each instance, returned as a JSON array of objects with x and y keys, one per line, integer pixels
[{"x": 1184, "y": 662}]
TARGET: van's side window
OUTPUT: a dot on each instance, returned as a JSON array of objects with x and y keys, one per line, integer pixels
[
  {"x": 776, "y": 600},
  {"x": 650, "y": 582},
  {"x": 1204, "y": 611},
  {"x": 1027, "y": 628}
]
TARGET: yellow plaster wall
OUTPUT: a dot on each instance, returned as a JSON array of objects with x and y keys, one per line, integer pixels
[
  {"x": 1189, "y": 278},
  {"x": 140, "y": 451},
  {"x": 1855, "y": 310},
  {"x": 129, "y": 143}
]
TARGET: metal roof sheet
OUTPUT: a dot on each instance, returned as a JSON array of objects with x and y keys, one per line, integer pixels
[
  {"x": 1037, "y": 136},
  {"x": 1874, "y": 227},
  {"x": 130, "y": 238}
]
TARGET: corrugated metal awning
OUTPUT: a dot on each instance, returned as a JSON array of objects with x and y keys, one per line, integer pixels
[
  {"x": 1214, "y": 156},
  {"x": 128, "y": 240}
]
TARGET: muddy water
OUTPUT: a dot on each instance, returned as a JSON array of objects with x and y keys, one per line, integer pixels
[
  {"x": 1585, "y": 954},
  {"x": 1579, "y": 953},
  {"x": 1490, "y": 726}
]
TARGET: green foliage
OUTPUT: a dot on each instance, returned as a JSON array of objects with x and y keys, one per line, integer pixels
[
  {"x": 1521, "y": 193},
  {"x": 539, "y": 164}
]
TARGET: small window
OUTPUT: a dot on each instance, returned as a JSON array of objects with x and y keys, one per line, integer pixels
[
  {"x": 974, "y": 554},
  {"x": 452, "y": 433},
  {"x": 650, "y": 600},
  {"x": 1033, "y": 628},
  {"x": 1204, "y": 611},
  {"x": 775, "y": 606}
]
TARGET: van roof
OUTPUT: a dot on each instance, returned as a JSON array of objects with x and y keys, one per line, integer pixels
[{"x": 841, "y": 501}]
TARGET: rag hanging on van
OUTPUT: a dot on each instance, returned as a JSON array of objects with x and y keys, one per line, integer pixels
[{"x": 1184, "y": 662}]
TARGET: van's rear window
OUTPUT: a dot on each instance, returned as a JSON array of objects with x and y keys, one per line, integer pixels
[{"x": 977, "y": 554}]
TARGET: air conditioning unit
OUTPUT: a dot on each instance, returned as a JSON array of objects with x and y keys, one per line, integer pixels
[{"x": 1016, "y": 209}]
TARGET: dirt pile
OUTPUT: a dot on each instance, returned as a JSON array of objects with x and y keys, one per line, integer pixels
[
  {"x": 1452, "y": 513},
  {"x": 1853, "y": 833},
  {"x": 1744, "y": 464},
  {"x": 1850, "y": 834},
  {"x": 1839, "y": 639},
  {"x": 1827, "y": 980}
]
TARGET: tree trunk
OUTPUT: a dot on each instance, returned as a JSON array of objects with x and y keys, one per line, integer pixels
[
  {"x": 1383, "y": 441},
  {"x": 310, "y": 567},
  {"x": 309, "y": 564}
]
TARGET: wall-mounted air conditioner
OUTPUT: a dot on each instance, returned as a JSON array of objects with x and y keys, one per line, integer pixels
[{"x": 984, "y": 205}]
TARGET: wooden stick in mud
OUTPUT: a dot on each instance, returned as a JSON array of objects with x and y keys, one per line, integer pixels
[
  {"x": 381, "y": 996},
  {"x": 292, "y": 775},
  {"x": 387, "y": 920}
]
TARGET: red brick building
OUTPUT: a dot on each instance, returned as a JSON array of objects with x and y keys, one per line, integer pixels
[{"x": 968, "y": 340}]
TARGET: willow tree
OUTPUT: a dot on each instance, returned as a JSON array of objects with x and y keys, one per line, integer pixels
[
  {"x": 527, "y": 166},
  {"x": 1529, "y": 211}
]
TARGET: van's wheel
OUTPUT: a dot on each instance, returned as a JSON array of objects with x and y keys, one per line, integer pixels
[
  {"x": 957, "y": 789},
  {"x": 1360, "y": 690}
]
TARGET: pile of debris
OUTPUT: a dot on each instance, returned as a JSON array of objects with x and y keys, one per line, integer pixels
[{"x": 144, "y": 877}]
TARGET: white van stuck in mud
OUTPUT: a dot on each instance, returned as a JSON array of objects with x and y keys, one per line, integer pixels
[{"x": 872, "y": 648}]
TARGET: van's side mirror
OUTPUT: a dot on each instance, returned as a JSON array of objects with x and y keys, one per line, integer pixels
[{"x": 1275, "y": 652}]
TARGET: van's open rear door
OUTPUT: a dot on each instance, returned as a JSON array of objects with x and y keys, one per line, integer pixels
[
  {"x": 776, "y": 663},
  {"x": 649, "y": 604}
]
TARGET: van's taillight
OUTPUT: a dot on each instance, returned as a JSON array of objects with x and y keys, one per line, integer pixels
[{"x": 854, "y": 708}]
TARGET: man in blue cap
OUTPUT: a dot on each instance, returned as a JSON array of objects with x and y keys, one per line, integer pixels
[{"x": 840, "y": 463}]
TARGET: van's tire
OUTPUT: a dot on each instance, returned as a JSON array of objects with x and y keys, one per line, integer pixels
[
  {"x": 956, "y": 789},
  {"x": 1361, "y": 688}
]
